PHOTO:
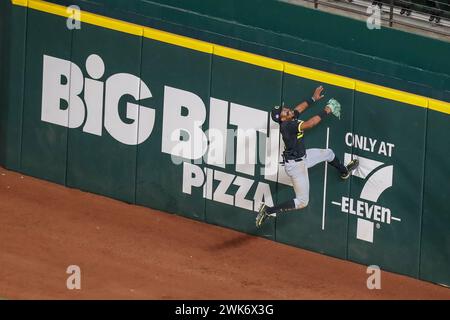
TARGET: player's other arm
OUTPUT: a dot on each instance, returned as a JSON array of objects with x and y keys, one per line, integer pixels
[
  {"x": 317, "y": 95},
  {"x": 314, "y": 121}
]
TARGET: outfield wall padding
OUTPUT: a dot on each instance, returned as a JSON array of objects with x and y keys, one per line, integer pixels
[
  {"x": 131, "y": 113},
  {"x": 158, "y": 181},
  {"x": 13, "y": 34},
  {"x": 435, "y": 240},
  {"x": 96, "y": 162},
  {"x": 44, "y": 147}
]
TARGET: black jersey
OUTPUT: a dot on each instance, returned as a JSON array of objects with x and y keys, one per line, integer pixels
[{"x": 293, "y": 139}]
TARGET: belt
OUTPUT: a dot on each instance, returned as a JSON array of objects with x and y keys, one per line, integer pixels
[{"x": 293, "y": 160}]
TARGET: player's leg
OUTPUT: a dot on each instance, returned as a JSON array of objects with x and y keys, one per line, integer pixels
[
  {"x": 298, "y": 172},
  {"x": 315, "y": 156}
]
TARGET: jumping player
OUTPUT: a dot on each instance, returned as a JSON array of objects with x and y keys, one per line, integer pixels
[{"x": 297, "y": 160}]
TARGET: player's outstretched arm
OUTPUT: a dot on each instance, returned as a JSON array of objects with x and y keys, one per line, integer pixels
[
  {"x": 314, "y": 121},
  {"x": 317, "y": 95}
]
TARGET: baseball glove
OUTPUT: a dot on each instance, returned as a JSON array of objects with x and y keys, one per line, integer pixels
[{"x": 335, "y": 107}]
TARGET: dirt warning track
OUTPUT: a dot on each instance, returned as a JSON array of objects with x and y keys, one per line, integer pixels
[{"x": 131, "y": 252}]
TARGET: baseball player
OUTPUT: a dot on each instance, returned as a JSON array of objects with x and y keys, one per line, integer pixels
[{"x": 296, "y": 159}]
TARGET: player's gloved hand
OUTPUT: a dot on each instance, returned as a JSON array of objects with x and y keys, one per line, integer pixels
[{"x": 335, "y": 107}]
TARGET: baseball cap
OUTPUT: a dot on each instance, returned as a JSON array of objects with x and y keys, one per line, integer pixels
[{"x": 275, "y": 114}]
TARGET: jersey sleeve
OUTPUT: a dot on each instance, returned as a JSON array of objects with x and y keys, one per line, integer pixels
[{"x": 299, "y": 123}]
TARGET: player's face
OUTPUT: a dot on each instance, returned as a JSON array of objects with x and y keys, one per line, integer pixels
[{"x": 286, "y": 114}]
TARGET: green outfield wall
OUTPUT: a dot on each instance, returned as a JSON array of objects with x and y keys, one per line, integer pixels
[{"x": 182, "y": 125}]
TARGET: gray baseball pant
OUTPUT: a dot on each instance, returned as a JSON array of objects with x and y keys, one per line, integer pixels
[{"x": 298, "y": 172}]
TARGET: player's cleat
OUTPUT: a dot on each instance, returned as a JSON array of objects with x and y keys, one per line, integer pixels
[
  {"x": 262, "y": 215},
  {"x": 352, "y": 165}
]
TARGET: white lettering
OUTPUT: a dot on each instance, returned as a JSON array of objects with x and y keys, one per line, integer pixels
[
  {"x": 262, "y": 194},
  {"x": 117, "y": 86},
  {"x": 217, "y": 133},
  {"x": 390, "y": 147},
  {"x": 344, "y": 204},
  {"x": 192, "y": 177},
  {"x": 372, "y": 144},
  {"x": 93, "y": 95},
  {"x": 382, "y": 149},
  {"x": 365, "y": 210},
  {"x": 174, "y": 123},
  {"x": 248, "y": 121},
  {"x": 349, "y": 139},
  {"x": 62, "y": 81},
  {"x": 220, "y": 194},
  {"x": 244, "y": 186}
]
